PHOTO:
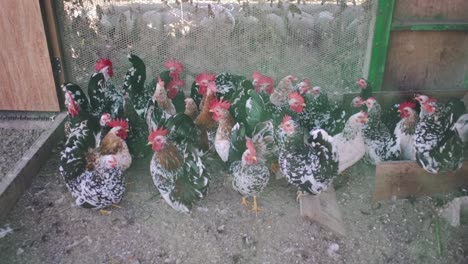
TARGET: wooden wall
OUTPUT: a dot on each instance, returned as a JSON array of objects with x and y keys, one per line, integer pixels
[
  {"x": 26, "y": 79},
  {"x": 431, "y": 60}
]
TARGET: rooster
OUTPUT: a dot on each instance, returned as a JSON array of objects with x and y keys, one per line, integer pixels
[
  {"x": 174, "y": 83},
  {"x": 134, "y": 85},
  {"x": 103, "y": 95},
  {"x": 78, "y": 108},
  {"x": 405, "y": 130},
  {"x": 191, "y": 108},
  {"x": 366, "y": 89},
  {"x": 438, "y": 148},
  {"x": 204, "y": 119},
  {"x": 177, "y": 171},
  {"x": 250, "y": 175},
  {"x": 94, "y": 176},
  {"x": 262, "y": 84},
  {"x": 279, "y": 96},
  {"x": 381, "y": 145},
  {"x": 221, "y": 114},
  {"x": 200, "y": 87},
  {"x": 461, "y": 126},
  {"x": 310, "y": 167}
]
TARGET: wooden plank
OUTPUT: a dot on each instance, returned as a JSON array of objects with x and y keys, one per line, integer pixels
[
  {"x": 406, "y": 178},
  {"x": 429, "y": 26},
  {"x": 19, "y": 178},
  {"x": 427, "y": 60},
  {"x": 324, "y": 210},
  {"x": 431, "y": 9},
  {"x": 26, "y": 77}
]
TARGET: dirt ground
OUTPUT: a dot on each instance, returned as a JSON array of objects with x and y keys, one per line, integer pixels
[{"x": 48, "y": 228}]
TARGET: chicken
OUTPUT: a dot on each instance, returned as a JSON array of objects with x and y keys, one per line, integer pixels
[
  {"x": 221, "y": 114},
  {"x": 381, "y": 145},
  {"x": 366, "y": 89},
  {"x": 174, "y": 83},
  {"x": 95, "y": 176},
  {"x": 78, "y": 108},
  {"x": 349, "y": 144},
  {"x": 134, "y": 85},
  {"x": 227, "y": 84},
  {"x": 461, "y": 126},
  {"x": 200, "y": 87},
  {"x": 250, "y": 175},
  {"x": 438, "y": 148},
  {"x": 405, "y": 129},
  {"x": 283, "y": 89},
  {"x": 262, "y": 83},
  {"x": 103, "y": 95},
  {"x": 177, "y": 171},
  {"x": 204, "y": 119},
  {"x": 191, "y": 108},
  {"x": 309, "y": 167}
]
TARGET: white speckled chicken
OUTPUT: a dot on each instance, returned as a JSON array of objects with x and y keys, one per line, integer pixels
[
  {"x": 405, "y": 130},
  {"x": 310, "y": 167},
  {"x": 438, "y": 147},
  {"x": 380, "y": 143},
  {"x": 349, "y": 144},
  {"x": 177, "y": 171},
  {"x": 251, "y": 175}
]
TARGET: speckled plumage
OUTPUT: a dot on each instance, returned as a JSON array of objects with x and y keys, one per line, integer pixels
[
  {"x": 311, "y": 168},
  {"x": 438, "y": 148},
  {"x": 381, "y": 145},
  {"x": 249, "y": 180}
]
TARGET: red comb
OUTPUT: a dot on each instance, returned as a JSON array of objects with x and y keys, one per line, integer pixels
[
  {"x": 118, "y": 123},
  {"x": 286, "y": 118},
  {"x": 407, "y": 104},
  {"x": 250, "y": 146},
  {"x": 220, "y": 103},
  {"x": 101, "y": 63},
  {"x": 257, "y": 75},
  {"x": 205, "y": 76},
  {"x": 160, "y": 131},
  {"x": 174, "y": 64},
  {"x": 296, "y": 96}
]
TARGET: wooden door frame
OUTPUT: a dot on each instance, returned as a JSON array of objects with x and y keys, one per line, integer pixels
[{"x": 54, "y": 45}]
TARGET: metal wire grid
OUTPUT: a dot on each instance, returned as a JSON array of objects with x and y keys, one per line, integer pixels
[{"x": 323, "y": 41}]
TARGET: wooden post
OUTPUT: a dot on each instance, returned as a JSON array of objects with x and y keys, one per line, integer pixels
[
  {"x": 406, "y": 178},
  {"x": 323, "y": 209}
]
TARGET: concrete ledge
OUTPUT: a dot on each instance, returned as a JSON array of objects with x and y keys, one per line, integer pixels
[{"x": 19, "y": 178}]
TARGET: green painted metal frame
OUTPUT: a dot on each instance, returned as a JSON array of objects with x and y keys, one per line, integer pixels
[
  {"x": 383, "y": 26},
  {"x": 429, "y": 26}
]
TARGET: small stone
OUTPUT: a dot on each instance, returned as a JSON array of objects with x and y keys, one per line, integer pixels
[
  {"x": 332, "y": 250},
  {"x": 19, "y": 251},
  {"x": 221, "y": 229}
]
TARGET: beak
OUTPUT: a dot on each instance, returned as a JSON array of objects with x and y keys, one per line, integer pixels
[
  {"x": 366, "y": 119},
  {"x": 303, "y": 104},
  {"x": 254, "y": 158},
  {"x": 127, "y": 130},
  {"x": 149, "y": 143},
  {"x": 211, "y": 110}
]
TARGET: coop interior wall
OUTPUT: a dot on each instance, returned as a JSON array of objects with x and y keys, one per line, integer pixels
[{"x": 324, "y": 41}]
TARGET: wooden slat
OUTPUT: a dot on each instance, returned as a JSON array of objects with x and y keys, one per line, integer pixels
[
  {"x": 324, "y": 210},
  {"x": 427, "y": 61},
  {"x": 431, "y": 9},
  {"x": 26, "y": 79},
  {"x": 406, "y": 178}
]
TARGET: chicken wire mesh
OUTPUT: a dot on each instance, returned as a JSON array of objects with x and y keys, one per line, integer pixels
[{"x": 324, "y": 41}]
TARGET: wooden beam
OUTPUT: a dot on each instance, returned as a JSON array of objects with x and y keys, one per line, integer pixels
[
  {"x": 429, "y": 26},
  {"x": 406, "y": 178},
  {"x": 383, "y": 25}
]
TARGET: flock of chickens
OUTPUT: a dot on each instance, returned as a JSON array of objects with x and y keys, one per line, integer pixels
[{"x": 255, "y": 127}]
